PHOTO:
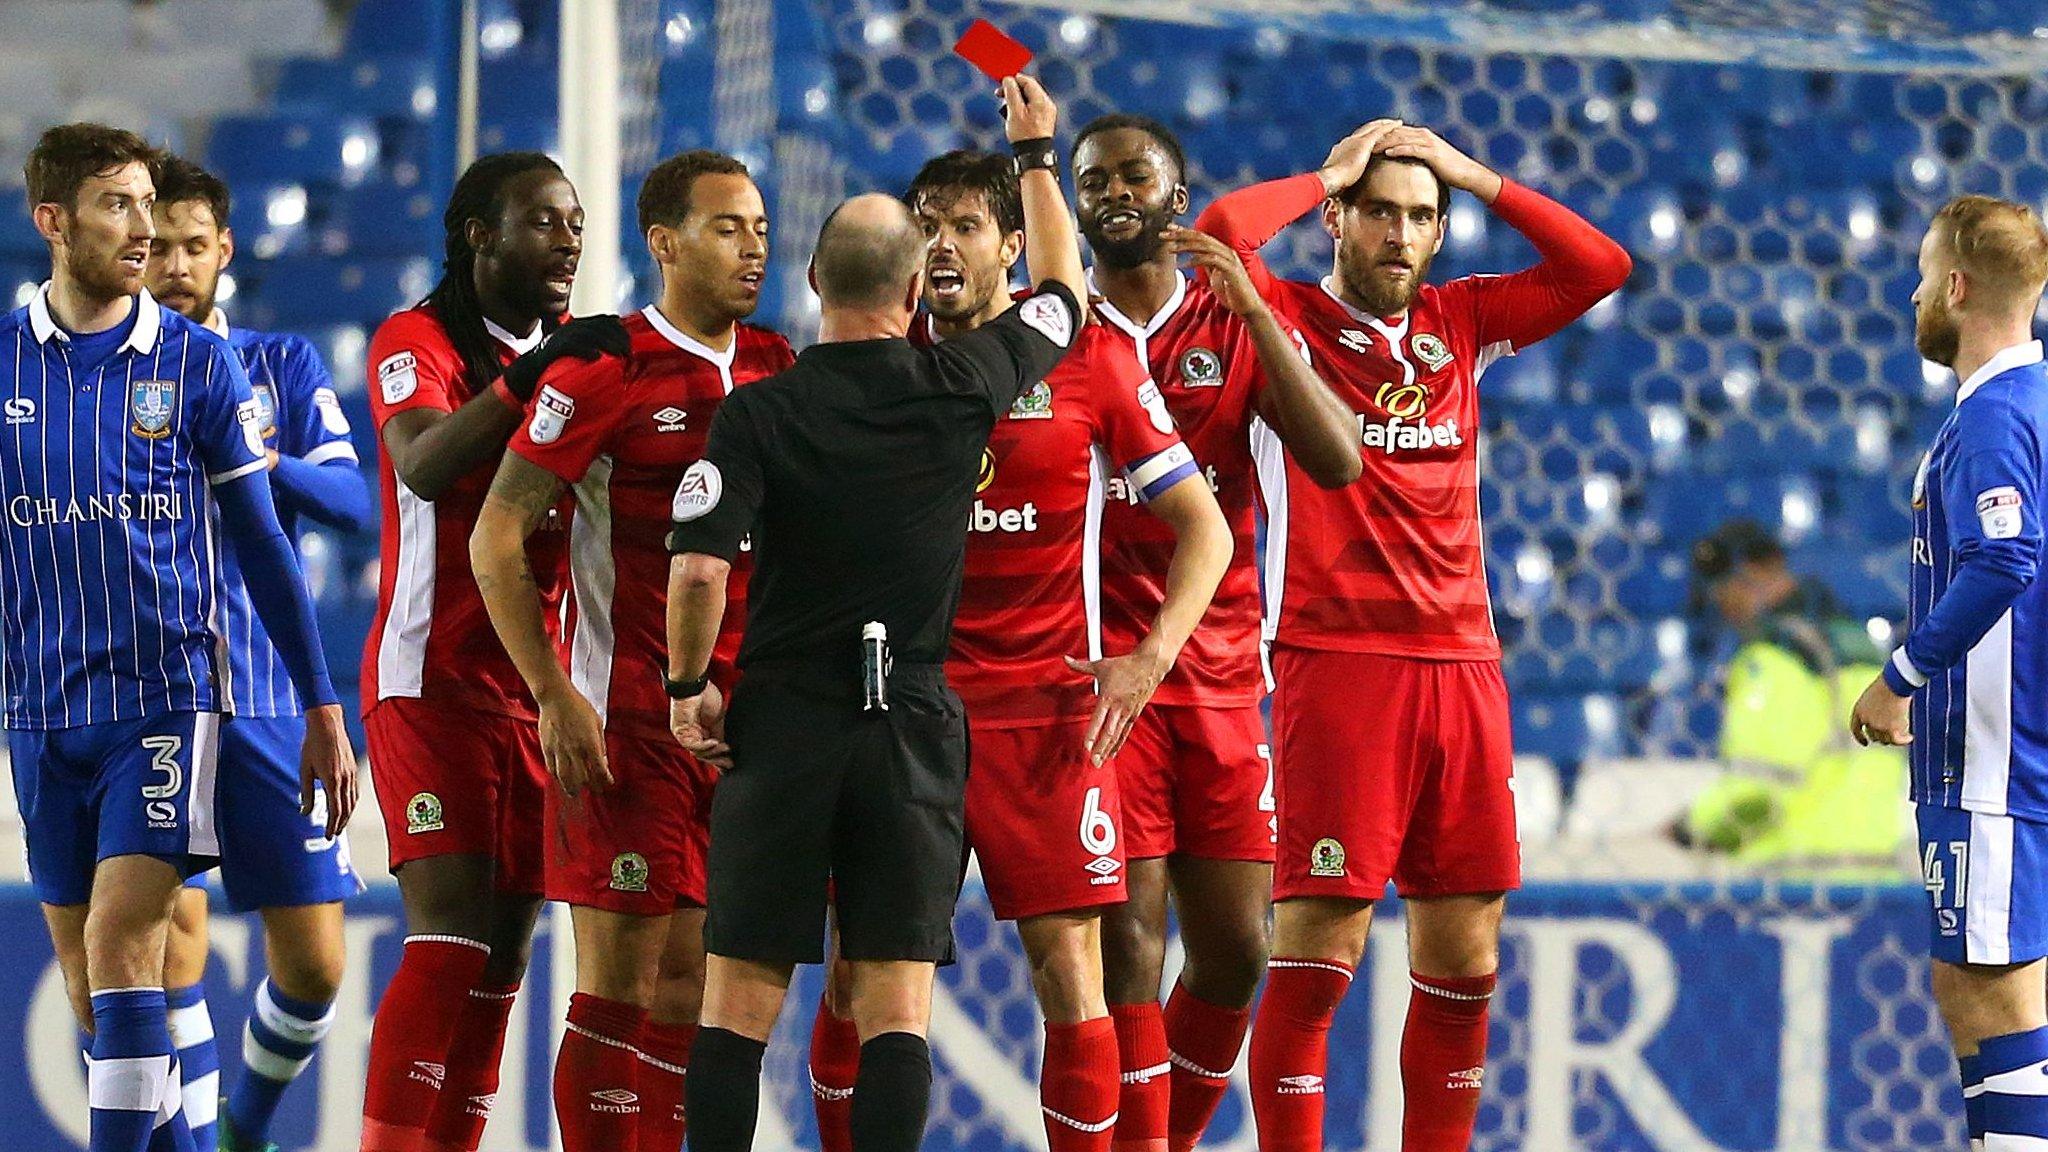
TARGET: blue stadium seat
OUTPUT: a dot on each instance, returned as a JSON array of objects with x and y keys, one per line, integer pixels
[
  {"x": 1568, "y": 729},
  {"x": 404, "y": 87},
  {"x": 292, "y": 293},
  {"x": 381, "y": 219},
  {"x": 402, "y": 28},
  {"x": 331, "y": 149}
]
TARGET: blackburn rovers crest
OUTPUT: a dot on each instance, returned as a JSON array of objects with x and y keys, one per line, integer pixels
[
  {"x": 423, "y": 813},
  {"x": 1326, "y": 858},
  {"x": 150, "y": 405},
  {"x": 1201, "y": 368},
  {"x": 629, "y": 872},
  {"x": 1034, "y": 403},
  {"x": 1430, "y": 349}
]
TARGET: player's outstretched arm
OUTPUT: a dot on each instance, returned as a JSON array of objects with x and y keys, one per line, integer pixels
[
  {"x": 571, "y": 735},
  {"x": 277, "y": 590},
  {"x": 696, "y": 605},
  {"x": 1308, "y": 417},
  {"x": 1249, "y": 218},
  {"x": 1052, "y": 251},
  {"x": 1580, "y": 265},
  {"x": 431, "y": 450},
  {"x": 332, "y": 492},
  {"x": 1201, "y": 554}
]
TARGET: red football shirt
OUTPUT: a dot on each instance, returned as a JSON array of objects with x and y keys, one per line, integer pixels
[
  {"x": 1029, "y": 597},
  {"x": 622, "y": 430},
  {"x": 431, "y": 636},
  {"x": 1394, "y": 563},
  {"x": 1204, "y": 362}
]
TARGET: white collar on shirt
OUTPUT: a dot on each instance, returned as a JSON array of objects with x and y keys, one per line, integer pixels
[
  {"x": 1131, "y": 327},
  {"x": 691, "y": 344},
  {"x": 520, "y": 345},
  {"x": 2007, "y": 359},
  {"x": 217, "y": 322},
  {"x": 142, "y": 338},
  {"x": 1393, "y": 330}
]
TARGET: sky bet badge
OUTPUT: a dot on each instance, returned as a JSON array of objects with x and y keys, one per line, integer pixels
[
  {"x": 266, "y": 409},
  {"x": 150, "y": 404},
  {"x": 1034, "y": 403},
  {"x": 1430, "y": 349}
]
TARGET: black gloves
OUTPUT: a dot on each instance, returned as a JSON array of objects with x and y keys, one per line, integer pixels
[{"x": 585, "y": 338}]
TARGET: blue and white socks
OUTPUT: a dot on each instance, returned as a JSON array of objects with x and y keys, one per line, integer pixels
[
  {"x": 198, "y": 1059},
  {"x": 132, "y": 1075},
  {"x": 2005, "y": 1093},
  {"x": 279, "y": 1042}
]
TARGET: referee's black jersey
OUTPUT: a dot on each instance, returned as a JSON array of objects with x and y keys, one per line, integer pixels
[{"x": 855, "y": 471}]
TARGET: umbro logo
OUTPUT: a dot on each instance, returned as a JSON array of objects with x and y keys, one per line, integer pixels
[
  {"x": 1472, "y": 1078},
  {"x": 1105, "y": 869},
  {"x": 617, "y": 1101},
  {"x": 427, "y": 1072},
  {"x": 1301, "y": 1085},
  {"x": 1355, "y": 340},
  {"x": 671, "y": 419}
]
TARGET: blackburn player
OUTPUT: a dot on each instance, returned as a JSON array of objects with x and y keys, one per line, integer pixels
[
  {"x": 1042, "y": 808},
  {"x": 1968, "y": 690},
  {"x": 132, "y": 437},
  {"x": 627, "y": 818},
  {"x": 1390, "y": 718},
  {"x": 1194, "y": 774},
  {"x": 453, "y": 751},
  {"x": 273, "y": 859}
]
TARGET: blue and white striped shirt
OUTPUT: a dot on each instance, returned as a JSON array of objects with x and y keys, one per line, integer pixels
[
  {"x": 108, "y": 561},
  {"x": 1976, "y": 656},
  {"x": 300, "y": 416}
]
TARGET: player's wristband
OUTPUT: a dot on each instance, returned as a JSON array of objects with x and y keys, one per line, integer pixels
[
  {"x": 1038, "y": 152},
  {"x": 686, "y": 689}
]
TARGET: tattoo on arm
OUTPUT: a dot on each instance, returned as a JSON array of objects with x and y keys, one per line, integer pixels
[{"x": 530, "y": 492}]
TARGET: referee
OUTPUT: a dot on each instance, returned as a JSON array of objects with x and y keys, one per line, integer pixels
[{"x": 846, "y": 755}]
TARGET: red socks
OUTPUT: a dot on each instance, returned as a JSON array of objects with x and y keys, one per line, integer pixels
[
  {"x": 1443, "y": 1060},
  {"x": 1204, "y": 1041},
  {"x": 1078, "y": 1085},
  {"x": 475, "y": 1049},
  {"x": 1291, "y": 1049},
  {"x": 597, "y": 1099},
  {"x": 664, "y": 1057},
  {"x": 1141, "y": 1046},
  {"x": 835, "y": 1064},
  {"x": 409, "y": 1040}
]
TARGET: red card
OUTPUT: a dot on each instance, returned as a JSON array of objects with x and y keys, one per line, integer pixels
[{"x": 992, "y": 50}]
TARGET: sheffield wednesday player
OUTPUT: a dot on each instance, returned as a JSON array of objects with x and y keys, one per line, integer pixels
[
  {"x": 1042, "y": 811},
  {"x": 628, "y": 819},
  {"x": 1968, "y": 690},
  {"x": 449, "y": 722},
  {"x": 1390, "y": 717},
  {"x": 273, "y": 859},
  {"x": 126, "y": 424},
  {"x": 1195, "y": 776}
]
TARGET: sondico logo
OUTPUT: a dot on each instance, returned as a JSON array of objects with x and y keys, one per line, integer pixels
[{"x": 986, "y": 519}]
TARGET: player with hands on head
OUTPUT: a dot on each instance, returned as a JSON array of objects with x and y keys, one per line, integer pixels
[
  {"x": 450, "y": 723},
  {"x": 1379, "y": 587},
  {"x": 1042, "y": 808},
  {"x": 276, "y": 858},
  {"x": 1193, "y": 773},
  {"x": 1967, "y": 693},
  {"x": 627, "y": 820},
  {"x": 136, "y": 434}
]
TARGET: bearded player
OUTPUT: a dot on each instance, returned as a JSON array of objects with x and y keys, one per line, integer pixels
[
  {"x": 1390, "y": 718},
  {"x": 628, "y": 816},
  {"x": 1194, "y": 774},
  {"x": 1042, "y": 797},
  {"x": 449, "y": 721}
]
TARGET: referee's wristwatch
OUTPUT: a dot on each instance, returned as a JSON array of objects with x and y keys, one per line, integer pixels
[
  {"x": 686, "y": 689},
  {"x": 1040, "y": 152}
]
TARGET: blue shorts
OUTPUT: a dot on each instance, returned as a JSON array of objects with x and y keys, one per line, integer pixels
[
  {"x": 131, "y": 787},
  {"x": 271, "y": 856},
  {"x": 1987, "y": 885}
]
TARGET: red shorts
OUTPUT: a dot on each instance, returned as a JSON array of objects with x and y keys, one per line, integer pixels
[
  {"x": 457, "y": 781},
  {"x": 1392, "y": 768},
  {"x": 637, "y": 847},
  {"x": 1043, "y": 820},
  {"x": 1197, "y": 781}
]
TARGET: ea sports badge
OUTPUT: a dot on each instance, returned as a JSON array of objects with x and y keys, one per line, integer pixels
[
  {"x": 1430, "y": 349},
  {"x": 1201, "y": 368},
  {"x": 698, "y": 493},
  {"x": 150, "y": 404}
]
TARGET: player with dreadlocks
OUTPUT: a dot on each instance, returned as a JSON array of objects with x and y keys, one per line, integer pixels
[{"x": 451, "y": 725}]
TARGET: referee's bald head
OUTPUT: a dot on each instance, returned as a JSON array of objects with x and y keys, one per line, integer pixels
[{"x": 870, "y": 254}]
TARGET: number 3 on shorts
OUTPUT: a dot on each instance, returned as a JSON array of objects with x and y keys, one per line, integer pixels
[
  {"x": 164, "y": 758},
  {"x": 1098, "y": 831}
]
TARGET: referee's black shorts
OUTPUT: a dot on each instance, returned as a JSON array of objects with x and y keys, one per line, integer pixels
[{"x": 819, "y": 790}]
